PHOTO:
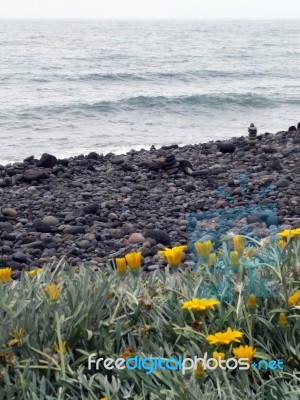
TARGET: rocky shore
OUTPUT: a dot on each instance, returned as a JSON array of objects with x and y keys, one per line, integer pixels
[{"x": 92, "y": 208}]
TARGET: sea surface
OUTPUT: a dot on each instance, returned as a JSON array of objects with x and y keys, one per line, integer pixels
[{"x": 70, "y": 87}]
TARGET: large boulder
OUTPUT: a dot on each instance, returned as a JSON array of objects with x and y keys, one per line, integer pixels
[{"x": 47, "y": 161}]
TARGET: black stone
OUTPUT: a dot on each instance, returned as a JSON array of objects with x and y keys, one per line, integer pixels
[
  {"x": 93, "y": 156},
  {"x": 275, "y": 164},
  {"x": 47, "y": 161},
  {"x": 202, "y": 172},
  {"x": 170, "y": 147},
  {"x": 41, "y": 226},
  {"x": 64, "y": 162},
  {"x": 158, "y": 235},
  {"x": 20, "y": 257},
  {"x": 226, "y": 148},
  {"x": 292, "y": 128},
  {"x": 91, "y": 208},
  {"x": 189, "y": 188},
  {"x": 28, "y": 159},
  {"x": 155, "y": 165}
]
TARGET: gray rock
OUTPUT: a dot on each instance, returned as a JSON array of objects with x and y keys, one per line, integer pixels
[
  {"x": 6, "y": 226},
  {"x": 125, "y": 190},
  {"x": 282, "y": 183},
  {"x": 136, "y": 238},
  {"x": 20, "y": 257},
  {"x": 42, "y": 226},
  {"x": 34, "y": 174},
  {"x": 73, "y": 230},
  {"x": 35, "y": 245},
  {"x": 9, "y": 212},
  {"x": 84, "y": 244},
  {"x": 50, "y": 220}
]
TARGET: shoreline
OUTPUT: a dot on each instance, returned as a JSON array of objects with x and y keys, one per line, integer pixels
[{"x": 92, "y": 208}]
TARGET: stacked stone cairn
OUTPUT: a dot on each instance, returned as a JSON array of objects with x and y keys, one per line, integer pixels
[
  {"x": 252, "y": 130},
  {"x": 170, "y": 162}
]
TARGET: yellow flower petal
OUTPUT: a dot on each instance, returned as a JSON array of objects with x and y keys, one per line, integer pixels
[
  {"x": 226, "y": 337},
  {"x": 244, "y": 352},
  {"x": 199, "y": 304}
]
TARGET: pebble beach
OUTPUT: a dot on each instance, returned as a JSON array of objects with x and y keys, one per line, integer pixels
[{"x": 91, "y": 208}]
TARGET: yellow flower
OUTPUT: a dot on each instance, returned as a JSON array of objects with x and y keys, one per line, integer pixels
[
  {"x": 52, "y": 291},
  {"x": 34, "y": 272},
  {"x": 199, "y": 304},
  {"x": 172, "y": 256},
  {"x": 211, "y": 259},
  {"x": 244, "y": 352},
  {"x": 5, "y": 274},
  {"x": 289, "y": 233},
  {"x": 203, "y": 248},
  {"x": 226, "y": 337},
  {"x": 134, "y": 260},
  {"x": 17, "y": 337},
  {"x": 294, "y": 299},
  {"x": 238, "y": 243},
  {"x": 234, "y": 258},
  {"x": 218, "y": 356},
  {"x": 282, "y": 320},
  {"x": 251, "y": 303},
  {"x": 121, "y": 265},
  {"x": 63, "y": 347},
  {"x": 199, "y": 371},
  {"x": 281, "y": 243},
  {"x": 104, "y": 398}
]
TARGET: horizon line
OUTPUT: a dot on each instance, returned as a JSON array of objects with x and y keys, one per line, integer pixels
[{"x": 153, "y": 18}]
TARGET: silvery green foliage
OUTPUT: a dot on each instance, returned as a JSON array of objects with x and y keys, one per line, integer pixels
[{"x": 104, "y": 313}]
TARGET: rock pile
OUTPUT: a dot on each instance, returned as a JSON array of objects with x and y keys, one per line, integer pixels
[{"x": 95, "y": 207}]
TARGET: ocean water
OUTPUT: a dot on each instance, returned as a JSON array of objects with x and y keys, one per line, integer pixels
[{"x": 70, "y": 87}]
